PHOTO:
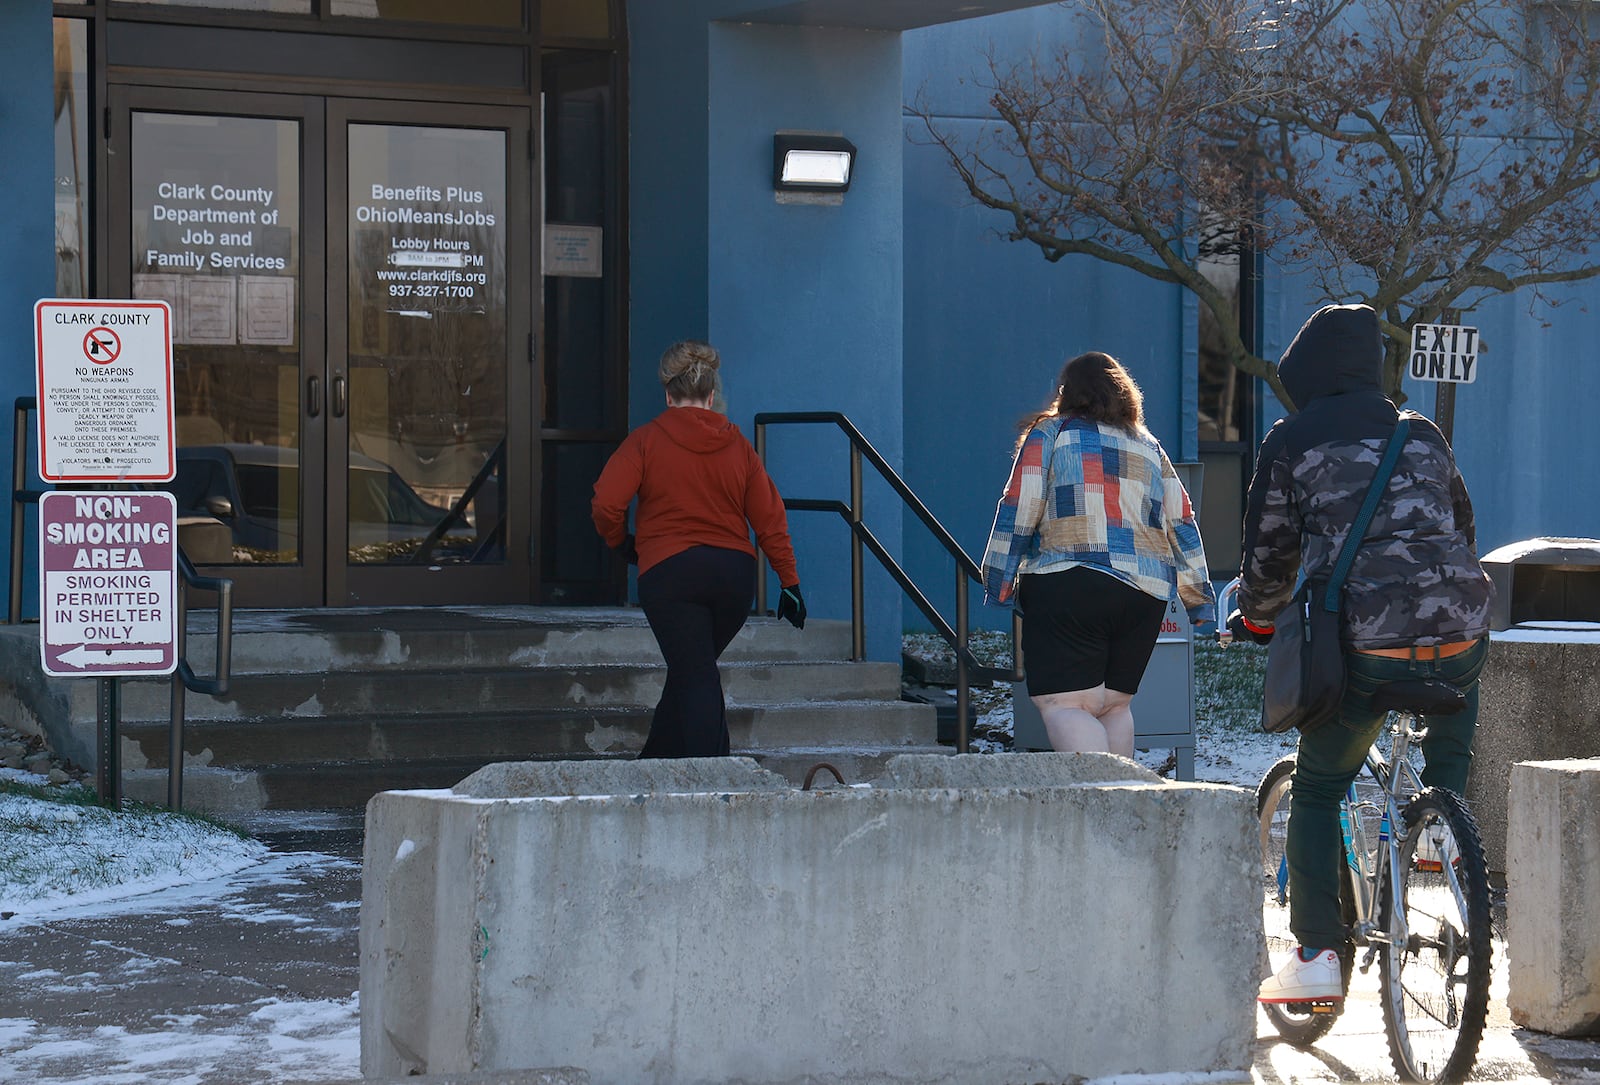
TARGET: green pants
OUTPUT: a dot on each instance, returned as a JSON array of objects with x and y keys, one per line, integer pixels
[{"x": 1328, "y": 760}]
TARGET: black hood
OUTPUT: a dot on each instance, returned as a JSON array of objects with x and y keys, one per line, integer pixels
[{"x": 1339, "y": 350}]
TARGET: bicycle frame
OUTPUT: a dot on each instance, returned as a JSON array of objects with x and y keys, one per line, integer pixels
[{"x": 1396, "y": 781}]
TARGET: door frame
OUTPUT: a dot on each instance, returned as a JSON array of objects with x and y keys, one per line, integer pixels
[
  {"x": 511, "y": 581},
  {"x": 300, "y": 584},
  {"x": 323, "y": 577}
]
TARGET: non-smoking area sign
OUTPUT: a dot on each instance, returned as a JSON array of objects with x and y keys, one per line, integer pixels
[{"x": 107, "y": 570}]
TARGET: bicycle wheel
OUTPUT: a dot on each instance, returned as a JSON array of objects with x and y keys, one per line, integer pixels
[
  {"x": 1297, "y": 1023},
  {"x": 1436, "y": 984}
]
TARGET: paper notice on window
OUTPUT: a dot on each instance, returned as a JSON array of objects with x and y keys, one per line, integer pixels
[
  {"x": 266, "y": 310},
  {"x": 209, "y": 305},
  {"x": 167, "y": 288},
  {"x": 573, "y": 250}
]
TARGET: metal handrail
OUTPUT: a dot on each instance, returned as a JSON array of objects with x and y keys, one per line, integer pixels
[
  {"x": 457, "y": 511},
  {"x": 959, "y": 638},
  {"x": 184, "y": 677},
  {"x": 21, "y": 497}
]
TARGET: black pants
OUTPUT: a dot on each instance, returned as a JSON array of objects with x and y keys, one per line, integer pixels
[{"x": 696, "y": 602}]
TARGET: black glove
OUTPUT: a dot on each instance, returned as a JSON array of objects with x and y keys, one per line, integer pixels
[
  {"x": 627, "y": 551},
  {"x": 792, "y": 606},
  {"x": 1241, "y": 631}
]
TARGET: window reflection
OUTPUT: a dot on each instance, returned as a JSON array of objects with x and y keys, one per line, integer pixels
[
  {"x": 291, "y": 7},
  {"x": 577, "y": 285},
  {"x": 455, "y": 13},
  {"x": 215, "y": 234},
  {"x": 575, "y": 19},
  {"x": 72, "y": 157},
  {"x": 427, "y": 342},
  {"x": 1226, "y": 396},
  {"x": 1223, "y": 389}
]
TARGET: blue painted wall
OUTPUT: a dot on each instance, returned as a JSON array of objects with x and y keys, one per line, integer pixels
[
  {"x": 989, "y": 322},
  {"x": 668, "y": 166},
  {"x": 804, "y": 300},
  {"x": 27, "y": 192},
  {"x": 1523, "y": 432}
]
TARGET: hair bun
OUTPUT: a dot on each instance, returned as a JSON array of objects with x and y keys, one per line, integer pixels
[
  {"x": 689, "y": 369},
  {"x": 691, "y": 357}
]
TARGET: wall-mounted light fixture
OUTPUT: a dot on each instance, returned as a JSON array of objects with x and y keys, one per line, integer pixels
[{"x": 808, "y": 163}]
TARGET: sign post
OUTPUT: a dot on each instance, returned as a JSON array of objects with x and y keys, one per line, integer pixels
[
  {"x": 108, "y": 561},
  {"x": 1448, "y": 355},
  {"x": 107, "y": 600}
]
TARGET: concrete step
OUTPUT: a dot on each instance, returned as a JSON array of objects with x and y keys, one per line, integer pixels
[
  {"x": 445, "y": 638},
  {"x": 462, "y": 690},
  {"x": 327, "y": 707},
  {"x": 518, "y": 736}
]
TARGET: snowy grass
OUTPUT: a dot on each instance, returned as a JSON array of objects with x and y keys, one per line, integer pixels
[{"x": 60, "y": 848}]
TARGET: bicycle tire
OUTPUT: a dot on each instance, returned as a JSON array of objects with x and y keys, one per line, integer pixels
[
  {"x": 1436, "y": 986},
  {"x": 1298, "y": 1026}
]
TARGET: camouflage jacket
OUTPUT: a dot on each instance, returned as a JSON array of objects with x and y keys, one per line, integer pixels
[{"x": 1416, "y": 577}]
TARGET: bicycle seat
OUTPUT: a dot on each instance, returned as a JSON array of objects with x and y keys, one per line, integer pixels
[{"x": 1423, "y": 696}]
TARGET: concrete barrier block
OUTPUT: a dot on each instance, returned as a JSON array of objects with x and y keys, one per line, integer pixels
[
  {"x": 560, "y": 1075},
  {"x": 526, "y": 779},
  {"x": 1538, "y": 700},
  {"x": 1553, "y": 896},
  {"x": 998, "y": 933},
  {"x": 1048, "y": 769}
]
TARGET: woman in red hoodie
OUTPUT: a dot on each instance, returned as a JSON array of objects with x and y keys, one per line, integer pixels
[{"x": 701, "y": 489}]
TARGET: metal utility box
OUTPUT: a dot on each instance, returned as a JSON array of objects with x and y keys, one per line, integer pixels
[
  {"x": 1163, "y": 709},
  {"x": 1544, "y": 579}
]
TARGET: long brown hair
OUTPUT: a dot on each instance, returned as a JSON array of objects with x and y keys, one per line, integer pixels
[{"x": 1096, "y": 387}]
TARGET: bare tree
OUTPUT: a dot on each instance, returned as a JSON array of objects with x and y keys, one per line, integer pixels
[{"x": 1416, "y": 155}]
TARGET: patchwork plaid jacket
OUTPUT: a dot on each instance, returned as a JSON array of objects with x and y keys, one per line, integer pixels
[{"x": 1083, "y": 493}]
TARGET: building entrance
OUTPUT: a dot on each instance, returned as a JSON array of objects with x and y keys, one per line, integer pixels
[
  {"x": 349, "y": 315},
  {"x": 393, "y": 234}
]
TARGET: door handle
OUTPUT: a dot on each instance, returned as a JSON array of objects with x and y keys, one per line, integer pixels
[
  {"x": 313, "y": 396},
  {"x": 339, "y": 397}
]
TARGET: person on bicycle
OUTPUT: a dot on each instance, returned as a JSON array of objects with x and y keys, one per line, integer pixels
[{"x": 1416, "y": 604}]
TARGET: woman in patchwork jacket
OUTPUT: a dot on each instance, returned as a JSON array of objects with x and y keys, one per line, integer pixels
[{"x": 1093, "y": 537}]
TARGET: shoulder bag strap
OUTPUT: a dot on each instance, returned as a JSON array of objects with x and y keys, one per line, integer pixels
[{"x": 1363, "y": 520}]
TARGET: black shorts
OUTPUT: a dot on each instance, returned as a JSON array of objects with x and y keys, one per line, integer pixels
[{"x": 1082, "y": 627}]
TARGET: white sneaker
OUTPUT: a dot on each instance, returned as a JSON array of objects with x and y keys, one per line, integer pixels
[
  {"x": 1316, "y": 980},
  {"x": 1432, "y": 848}
]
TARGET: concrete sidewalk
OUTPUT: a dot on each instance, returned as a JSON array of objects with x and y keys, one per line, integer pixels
[{"x": 255, "y": 983}]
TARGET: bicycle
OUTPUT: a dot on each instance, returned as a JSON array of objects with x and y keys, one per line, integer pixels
[{"x": 1415, "y": 895}]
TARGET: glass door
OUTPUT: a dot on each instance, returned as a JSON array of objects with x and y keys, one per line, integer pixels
[
  {"x": 429, "y": 342},
  {"x": 221, "y": 196},
  {"x": 352, "y": 315}
]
